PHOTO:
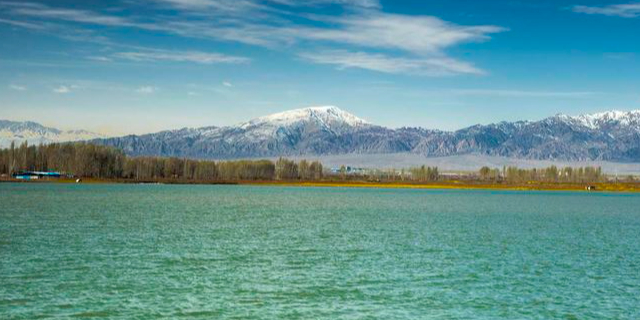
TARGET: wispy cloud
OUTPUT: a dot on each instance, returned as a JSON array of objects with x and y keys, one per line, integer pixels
[
  {"x": 62, "y": 90},
  {"x": 100, "y": 58},
  {"x": 370, "y": 38},
  {"x": 180, "y": 56},
  {"x": 629, "y": 10},
  {"x": 433, "y": 66},
  {"x": 219, "y": 5},
  {"x": 42, "y": 11},
  {"x": 21, "y": 24},
  {"x": 524, "y": 93},
  {"x": 244, "y": 5},
  {"x": 227, "y": 84},
  {"x": 146, "y": 90},
  {"x": 349, "y": 3},
  {"x": 417, "y": 34},
  {"x": 423, "y": 41},
  {"x": 17, "y": 87}
]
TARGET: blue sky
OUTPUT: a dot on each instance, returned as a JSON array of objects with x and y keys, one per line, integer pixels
[{"x": 136, "y": 66}]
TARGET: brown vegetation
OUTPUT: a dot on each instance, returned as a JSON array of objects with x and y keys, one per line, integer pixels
[{"x": 95, "y": 163}]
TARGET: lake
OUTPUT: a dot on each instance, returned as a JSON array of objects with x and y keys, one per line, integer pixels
[{"x": 257, "y": 252}]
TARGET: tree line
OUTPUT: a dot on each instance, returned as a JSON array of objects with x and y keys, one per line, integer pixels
[
  {"x": 94, "y": 161},
  {"x": 82, "y": 159},
  {"x": 550, "y": 174}
]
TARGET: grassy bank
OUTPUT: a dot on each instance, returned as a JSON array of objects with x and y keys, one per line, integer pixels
[
  {"x": 610, "y": 187},
  {"x": 546, "y": 186}
]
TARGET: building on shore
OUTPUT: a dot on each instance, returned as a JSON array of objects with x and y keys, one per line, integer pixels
[{"x": 36, "y": 175}]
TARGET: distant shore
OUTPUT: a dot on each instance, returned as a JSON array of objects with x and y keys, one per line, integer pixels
[
  {"x": 609, "y": 187},
  {"x": 462, "y": 185}
]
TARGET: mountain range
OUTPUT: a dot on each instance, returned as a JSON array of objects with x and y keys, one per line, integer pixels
[
  {"x": 324, "y": 131},
  {"x": 35, "y": 133}
]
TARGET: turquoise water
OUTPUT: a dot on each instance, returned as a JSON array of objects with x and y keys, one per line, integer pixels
[{"x": 242, "y": 252}]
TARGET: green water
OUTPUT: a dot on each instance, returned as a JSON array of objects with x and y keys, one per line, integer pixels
[{"x": 241, "y": 252}]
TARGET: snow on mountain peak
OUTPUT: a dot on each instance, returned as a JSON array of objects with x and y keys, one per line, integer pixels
[
  {"x": 328, "y": 115},
  {"x": 595, "y": 120},
  {"x": 35, "y": 133}
]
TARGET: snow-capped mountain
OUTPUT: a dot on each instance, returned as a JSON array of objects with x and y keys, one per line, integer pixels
[
  {"x": 314, "y": 130},
  {"x": 35, "y": 133},
  {"x": 327, "y": 118},
  {"x": 609, "y": 119},
  {"x": 613, "y": 136},
  {"x": 618, "y": 122}
]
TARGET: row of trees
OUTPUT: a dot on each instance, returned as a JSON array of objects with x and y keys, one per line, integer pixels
[
  {"x": 549, "y": 174},
  {"x": 153, "y": 168},
  {"x": 425, "y": 174},
  {"x": 417, "y": 174},
  {"x": 82, "y": 159},
  {"x": 89, "y": 160},
  {"x": 94, "y": 161},
  {"x": 287, "y": 169}
]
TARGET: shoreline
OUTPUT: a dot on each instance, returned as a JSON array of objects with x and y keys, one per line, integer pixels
[
  {"x": 600, "y": 187},
  {"x": 450, "y": 185}
]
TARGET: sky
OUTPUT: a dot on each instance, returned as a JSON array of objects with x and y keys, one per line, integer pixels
[{"x": 138, "y": 66}]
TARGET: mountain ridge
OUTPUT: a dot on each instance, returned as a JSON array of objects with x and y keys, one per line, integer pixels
[
  {"x": 35, "y": 133},
  {"x": 611, "y": 135},
  {"x": 328, "y": 130}
]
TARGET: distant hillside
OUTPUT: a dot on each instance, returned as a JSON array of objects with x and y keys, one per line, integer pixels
[
  {"x": 608, "y": 136},
  {"x": 36, "y": 133}
]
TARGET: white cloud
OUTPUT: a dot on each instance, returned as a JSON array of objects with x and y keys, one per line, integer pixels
[
  {"x": 369, "y": 29},
  {"x": 630, "y": 10},
  {"x": 180, "y": 56},
  {"x": 524, "y": 93},
  {"x": 100, "y": 58},
  {"x": 21, "y": 24},
  {"x": 418, "y": 34},
  {"x": 431, "y": 66},
  {"x": 347, "y": 3},
  {"x": 189, "y": 3},
  {"x": 17, "y": 87},
  {"x": 218, "y": 5},
  {"x": 245, "y": 5},
  {"x": 62, "y": 89},
  {"x": 146, "y": 90},
  {"x": 378, "y": 41},
  {"x": 227, "y": 84},
  {"x": 43, "y": 11}
]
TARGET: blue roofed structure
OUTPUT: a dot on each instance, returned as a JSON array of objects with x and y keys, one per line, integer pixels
[{"x": 35, "y": 175}]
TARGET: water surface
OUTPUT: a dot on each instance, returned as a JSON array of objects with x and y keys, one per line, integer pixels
[{"x": 243, "y": 252}]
